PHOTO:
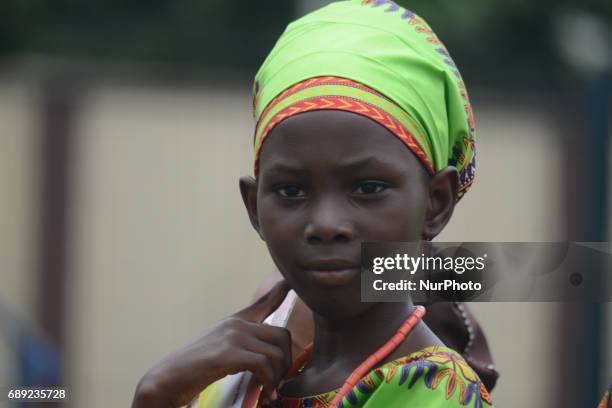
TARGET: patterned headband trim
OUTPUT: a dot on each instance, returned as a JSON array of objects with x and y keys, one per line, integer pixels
[{"x": 335, "y": 93}]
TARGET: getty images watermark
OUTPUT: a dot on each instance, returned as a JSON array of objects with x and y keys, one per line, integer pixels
[
  {"x": 411, "y": 264},
  {"x": 486, "y": 271}
]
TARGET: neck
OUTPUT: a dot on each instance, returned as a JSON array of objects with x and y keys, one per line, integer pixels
[{"x": 351, "y": 340}]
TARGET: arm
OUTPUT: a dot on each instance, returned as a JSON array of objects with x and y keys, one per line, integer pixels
[{"x": 235, "y": 344}]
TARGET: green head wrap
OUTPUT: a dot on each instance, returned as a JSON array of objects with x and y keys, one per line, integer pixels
[{"x": 379, "y": 60}]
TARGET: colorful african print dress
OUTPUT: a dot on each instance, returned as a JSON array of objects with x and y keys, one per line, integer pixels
[{"x": 430, "y": 378}]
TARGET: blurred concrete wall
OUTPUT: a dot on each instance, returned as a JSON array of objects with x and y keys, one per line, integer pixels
[
  {"x": 515, "y": 197},
  {"x": 161, "y": 245},
  {"x": 18, "y": 211}
]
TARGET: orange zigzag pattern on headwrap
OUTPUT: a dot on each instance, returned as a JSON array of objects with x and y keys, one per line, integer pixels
[{"x": 350, "y": 105}]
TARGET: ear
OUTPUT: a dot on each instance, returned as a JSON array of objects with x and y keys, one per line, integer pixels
[
  {"x": 248, "y": 189},
  {"x": 442, "y": 191}
]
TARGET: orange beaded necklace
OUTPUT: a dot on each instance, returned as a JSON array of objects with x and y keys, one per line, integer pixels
[{"x": 369, "y": 363}]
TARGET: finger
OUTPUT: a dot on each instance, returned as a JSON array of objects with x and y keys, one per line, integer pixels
[
  {"x": 238, "y": 331},
  {"x": 259, "y": 366},
  {"x": 265, "y": 305},
  {"x": 275, "y": 356},
  {"x": 278, "y": 336}
]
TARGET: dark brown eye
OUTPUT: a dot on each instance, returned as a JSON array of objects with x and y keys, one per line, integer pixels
[
  {"x": 290, "y": 191},
  {"x": 370, "y": 187}
]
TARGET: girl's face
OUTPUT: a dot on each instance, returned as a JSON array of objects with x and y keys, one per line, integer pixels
[{"x": 328, "y": 181}]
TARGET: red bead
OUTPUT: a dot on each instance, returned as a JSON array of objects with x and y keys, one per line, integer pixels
[{"x": 369, "y": 363}]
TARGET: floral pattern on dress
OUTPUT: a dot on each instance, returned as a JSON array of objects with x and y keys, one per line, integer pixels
[{"x": 436, "y": 368}]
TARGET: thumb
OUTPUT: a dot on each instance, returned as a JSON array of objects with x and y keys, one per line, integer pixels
[{"x": 265, "y": 305}]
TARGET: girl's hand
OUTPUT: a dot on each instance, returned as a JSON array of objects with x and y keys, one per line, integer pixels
[{"x": 235, "y": 344}]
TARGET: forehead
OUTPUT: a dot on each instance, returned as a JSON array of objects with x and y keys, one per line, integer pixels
[{"x": 334, "y": 138}]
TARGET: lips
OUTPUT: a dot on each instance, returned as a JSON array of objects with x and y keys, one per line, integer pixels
[
  {"x": 332, "y": 272},
  {"x": 329, "y": 265}
]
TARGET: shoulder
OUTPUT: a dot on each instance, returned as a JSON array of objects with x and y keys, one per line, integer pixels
[{"x": 438, "y": 376}]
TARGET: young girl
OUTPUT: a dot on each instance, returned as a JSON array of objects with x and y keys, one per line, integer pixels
[{"x": 364, "y": 133}]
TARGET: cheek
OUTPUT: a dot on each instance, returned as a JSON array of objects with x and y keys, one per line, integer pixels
[
  {"x": 401, "y": 219},
  {"x": 276, "y": 222},
  {"x": 280, "y": 229},
  {"x": 281, "y": 234}
]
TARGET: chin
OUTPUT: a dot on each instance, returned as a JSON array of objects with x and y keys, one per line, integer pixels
[{"x": 334, "y": 303}]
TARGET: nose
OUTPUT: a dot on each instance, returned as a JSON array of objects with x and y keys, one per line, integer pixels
[{"x": 328, "y": 223}]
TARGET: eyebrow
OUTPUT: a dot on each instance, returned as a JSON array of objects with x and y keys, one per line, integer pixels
[
  {"x": 363, "y": 163},
  {"x": 284, "y": 168},
  {"x": 353, "y": 165}
]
